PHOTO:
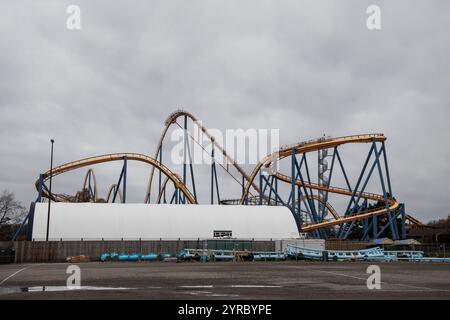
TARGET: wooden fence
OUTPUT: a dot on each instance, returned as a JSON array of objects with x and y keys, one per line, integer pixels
[{"x": 58, "y": 251}]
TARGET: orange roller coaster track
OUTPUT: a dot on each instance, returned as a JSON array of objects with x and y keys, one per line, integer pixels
[{"x": 109, "y": 158}]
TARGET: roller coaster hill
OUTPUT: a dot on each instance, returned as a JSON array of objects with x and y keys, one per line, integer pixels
[{"x": 313, "y": 199}]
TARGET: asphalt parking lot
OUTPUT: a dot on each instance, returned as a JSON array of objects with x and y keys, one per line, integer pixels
[{"x": 226, "y": 280}]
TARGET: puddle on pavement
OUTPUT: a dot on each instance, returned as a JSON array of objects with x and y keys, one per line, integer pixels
[{"x": 6, "y": 290}]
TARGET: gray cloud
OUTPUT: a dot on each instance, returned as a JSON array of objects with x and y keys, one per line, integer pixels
[{"x": 305, "y": 67}]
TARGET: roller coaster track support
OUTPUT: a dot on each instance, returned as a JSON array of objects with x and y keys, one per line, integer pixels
[
  {"x": 376, "y": 214},
  {"x": 301, "y": 179},
  {"x": 171, "y": 120}
]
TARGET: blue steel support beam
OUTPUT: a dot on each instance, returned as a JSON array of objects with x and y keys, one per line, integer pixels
[
  {"x": 281, "y": 201},
  {"x": 192, "y": 172},
  {"x": 319, "y": 232},
  {"x": 403, "y": 221},
  {"x": 380, "y": 172},
  {"x": 214, "y": 177},
  {"x": 89, "y": 184},
  {"x": 307, "y": 198},
  {"x": 184, "y": 152},
  {"x": 271, "y": 180},
  {"x": 368, "y": 229},
  {"x": 243, "y": 185},
  {"x": 39, "y": 198},
  {"x": 359, "y": 180},
  {"x": 160, "y": 173},
  {"x": 299, "y": 207},
  {"x": 350, "y": 210},
  {"x": 349, "y": 228},
  {"x": 264, "y": 187},
  {"x": 309, "y": 181},
  {"x": 212, "y": 173},
  {"x": 276, "y": 189},
  {"x": 352, "y": 200},
  {"x": 51, "y": 195},
  {"x": 355, "y": 208},
  {"x": 369, "y": 175},
  {"x": 370, "y": 226},
  {"x": 343, "y": 169},
  {"x": 310, "y": 199},
  {"x": 118, "y": 185},
  {"x": 124, "y": 186},
  {"x": 261, "y": 192},
  {"x": 375, "y": 227},
  {"x": 217, "y": 184},
  {"x": 365, "y": 223},
  {"x": 388, "y": 178},
  {"x": 309, "y": 202},
  {"x": 297, "y": 175},
  {"x": 276, "y": 194},
  {"x": 174, "y": 197},
  {"x": 395, "y": 216},
  {"x": 114, "y": 190},
  {"x": 293, "y": 178},
  {"x": 309, "y": 214}
]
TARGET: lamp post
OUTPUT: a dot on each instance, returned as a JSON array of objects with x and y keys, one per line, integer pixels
[{"x": 50, "y": 190}]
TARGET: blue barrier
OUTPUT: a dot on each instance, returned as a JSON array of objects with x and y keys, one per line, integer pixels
[{"x": 133, "y": 257}]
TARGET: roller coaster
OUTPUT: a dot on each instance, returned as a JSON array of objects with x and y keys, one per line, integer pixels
[{"x": 366, "y": 216}]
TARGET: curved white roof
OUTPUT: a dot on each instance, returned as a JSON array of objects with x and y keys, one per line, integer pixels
[{"x": 73, "y": 221}]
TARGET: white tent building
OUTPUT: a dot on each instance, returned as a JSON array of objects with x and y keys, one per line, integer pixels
[{"x": 111, "y": 221}]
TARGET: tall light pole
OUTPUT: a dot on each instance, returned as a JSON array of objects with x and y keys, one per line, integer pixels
[{"x": 50, "y": 190}]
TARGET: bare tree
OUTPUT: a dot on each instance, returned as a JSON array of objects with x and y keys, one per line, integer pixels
[{"x": 11, "y": 210}]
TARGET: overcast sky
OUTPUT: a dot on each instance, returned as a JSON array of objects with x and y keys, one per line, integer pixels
[{"x": 305, "y": 67}]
